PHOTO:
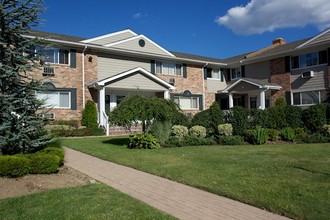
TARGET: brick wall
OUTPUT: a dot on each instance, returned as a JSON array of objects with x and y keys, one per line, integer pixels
[
  {"x": 67, "y": 77},
  {"x": 279, "y": 76}
]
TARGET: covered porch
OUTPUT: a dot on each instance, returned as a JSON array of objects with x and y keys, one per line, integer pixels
[
  {"x": 113, "y": 89},
  {"x": 248, "y": 93}
]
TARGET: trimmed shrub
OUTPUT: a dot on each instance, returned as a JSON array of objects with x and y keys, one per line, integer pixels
[
  {"x": 179, "y": 131},
  {"x": 315, "y": 138},
  {"x": 14, "y": 165},
  {"x": 327, "y": 129},
  {"x": 42, "y": 163},
  {"x": 179, "y": 118},
  {"x": 280, "y": 102},
  {"x": 209, "y": 118},
  {"x": 257, "y": 136},
  {"x": 230, "y": 140},
  {"x": 71, "y": 123},
  {"x": 198, "y": 131},
  {"x": 273, "y": 134},
  {"x": 238, "y": 117},
  {"x": 292, "y": 116},
  {"x": 315, "y": 117},
  {"x": 79, "y": 132},
  {"x": 225, "y": 129},
  {"x": 287, "y": 134},
  {"x": 160, "y": 130},
  {"x": 257, "y": 117},
  {"x": 190, "y": 140},
  {"x": 143, "y": 141},
  {"x": 54, "y": 151},
  {"x": 299, "y": 134},
  {"x": 89, "y": 115}
]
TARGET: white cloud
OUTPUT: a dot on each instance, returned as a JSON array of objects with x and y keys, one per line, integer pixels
[
  {"x": 139, "y": 15},
  {"x": 260, "y": 16}
]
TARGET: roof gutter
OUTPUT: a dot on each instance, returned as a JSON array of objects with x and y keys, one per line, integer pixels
[{"x": 126, "y": 52}]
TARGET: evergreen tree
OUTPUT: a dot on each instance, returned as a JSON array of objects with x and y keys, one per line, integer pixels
[{"x": 20, "y": 128}]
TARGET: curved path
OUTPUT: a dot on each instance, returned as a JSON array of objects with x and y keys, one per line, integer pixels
[{"x": 181, "y": 201}]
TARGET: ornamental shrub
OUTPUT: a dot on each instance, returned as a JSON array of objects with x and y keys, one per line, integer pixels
[
  {"x": 315, "y": 138},
  {"x": 89, "y": 115},
  {"x": 54, "y": 151},
  {"x": 14, "y": 166},
  {"x": 225, "y": 129},
  {"x": 160, "y": 130},
  {"x": 179, "y": 131},
  {"x": 238, "y": 117},
  {"x": 230, "y": 140},
  {"x": 257, "y": 117},
  {"x": 198, "y": 131},
  {"x": 292, "y": 116},
  {"x": 257, "y": 136},
  {"x": 327, "y": 129},
  {"x": 190, "y": 140},
  {"x": 273, "y": 134},
  {"x": 143, "y": 141},
  {"x": 314, "y": 117},
  {"x": 287, "y": 134},
  {"x": 42, "y": 163}
]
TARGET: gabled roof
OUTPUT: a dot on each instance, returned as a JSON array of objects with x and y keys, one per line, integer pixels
[
  {"x": 320, "y": 38},
  {"x": 258, "y": 83},
  {"x": 109, "y": 80},
  {"x": 55, "y": 36},
  {"x": 112, "y": 37}
]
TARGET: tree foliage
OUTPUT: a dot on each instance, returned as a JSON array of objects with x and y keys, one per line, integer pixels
[
  {"x": 136, "y": 108},
  {"x": 20, "y": 128},
  {"x": 89, "y": 115}
]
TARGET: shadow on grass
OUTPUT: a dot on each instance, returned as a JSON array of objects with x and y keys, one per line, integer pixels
[{"x": 117, "y": 141}]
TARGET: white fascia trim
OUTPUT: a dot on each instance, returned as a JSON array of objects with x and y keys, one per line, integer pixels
[
  {"x": 129, "y": 72},
  {"x": 252, "y": 83},
  {"x": 109, "y": 35},
  {"x": 317, "y": 36},
  {"x": 136, "y": 37},
  {"x": 93, "y": 46}
]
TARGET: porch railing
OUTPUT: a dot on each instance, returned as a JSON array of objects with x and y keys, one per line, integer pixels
[{"x": 105, "y": 123}]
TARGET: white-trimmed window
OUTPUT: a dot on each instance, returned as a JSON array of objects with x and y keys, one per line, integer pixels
[
  {"x": 306, "y": 98},
  {"x": 310, "y": 59},
  {"x": 55, "y": 99},
  {"x": 214, "y": 73},
  {"x": 57, "y": 56},
  {"x": 168, "y": 68},
  {"x": 187, "y": 102},
  {"x": 236, "y": 73}
]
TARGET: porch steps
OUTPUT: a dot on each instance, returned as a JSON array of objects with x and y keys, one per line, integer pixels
[{"x": 117, "y": 130}]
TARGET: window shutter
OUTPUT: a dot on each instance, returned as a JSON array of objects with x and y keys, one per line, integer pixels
[
  {"x": 73, "y": 99},
  {"x": 288, "y": 98},
  {"x": 200, "y": 99},
  {"x": 287, "y": 64},
  {"x": 328, "y": 56},
  {"x": 205, "y": 72},
  {"x": 228, "y": 75},
  {"x": 73, "y": 59},
  {"x": 221, "y": 75},
  {"x": 184, "y": 70},
  {"x": 153, "y": 66},
  {"x": 243, "y": 71}
]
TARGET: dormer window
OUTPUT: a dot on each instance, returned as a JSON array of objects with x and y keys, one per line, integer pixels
[{"x": 236, "y": 73}]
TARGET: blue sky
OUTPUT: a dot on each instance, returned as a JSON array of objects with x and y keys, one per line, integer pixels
[{"x": 214, "y": 28}]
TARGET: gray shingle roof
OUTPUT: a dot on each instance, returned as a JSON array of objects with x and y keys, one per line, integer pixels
[
  {"x": 55, "y": 36},
  {"x": 196, "y": 57}
]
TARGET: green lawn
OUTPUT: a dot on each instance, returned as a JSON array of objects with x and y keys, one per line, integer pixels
[
  {"x": 95, "y": 201},
  {"x": 292, "y": 179}
]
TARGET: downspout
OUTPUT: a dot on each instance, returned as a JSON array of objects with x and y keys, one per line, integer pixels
[
  {"x": 83, "y": 74},
  {"x": 205, "y": 65}
]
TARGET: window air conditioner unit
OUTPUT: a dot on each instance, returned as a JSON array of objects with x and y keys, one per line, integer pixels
[
  {"x": 307, "y": 74},
  {"x": 49, "y": 116},
  {"x": 48, "y": 71},
  {"x": 171, "y": 81}
]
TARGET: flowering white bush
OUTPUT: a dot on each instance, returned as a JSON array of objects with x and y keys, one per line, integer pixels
[
  {"x": 225, "y": 129},
  {"x": 179, "y": 131},
  {"x": 198, "y": 131}
]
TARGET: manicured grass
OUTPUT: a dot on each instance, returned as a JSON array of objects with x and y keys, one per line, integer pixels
[
  {"x": 292, "y": 179},
  {"x": 95, "y": 201}
]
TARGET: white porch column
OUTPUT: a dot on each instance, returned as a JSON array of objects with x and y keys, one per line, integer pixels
[
  {"x": 101, "y": 104},
  {"x": 166, "y": 94},
  {"x": 262, "y": 100},
  {"x": 231, "y": 100}
]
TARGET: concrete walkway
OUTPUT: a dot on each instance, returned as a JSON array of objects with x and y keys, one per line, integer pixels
[{"x": 181, "y": 201}]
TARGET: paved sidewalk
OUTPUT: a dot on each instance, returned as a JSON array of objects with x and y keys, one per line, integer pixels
[{"x": 181, "y": 201}]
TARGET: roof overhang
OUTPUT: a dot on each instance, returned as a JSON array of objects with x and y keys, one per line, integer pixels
[
  {"x": 140, "y": 70},
  {"x": 260, "y": 86}
]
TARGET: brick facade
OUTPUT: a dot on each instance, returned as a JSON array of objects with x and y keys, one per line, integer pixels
[
  {"x": 280, "y": 77},
  {"x": 67, "y": 77}
]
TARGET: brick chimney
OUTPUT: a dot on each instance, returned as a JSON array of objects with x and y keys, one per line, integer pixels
[{"x": 279, "y": 41}]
